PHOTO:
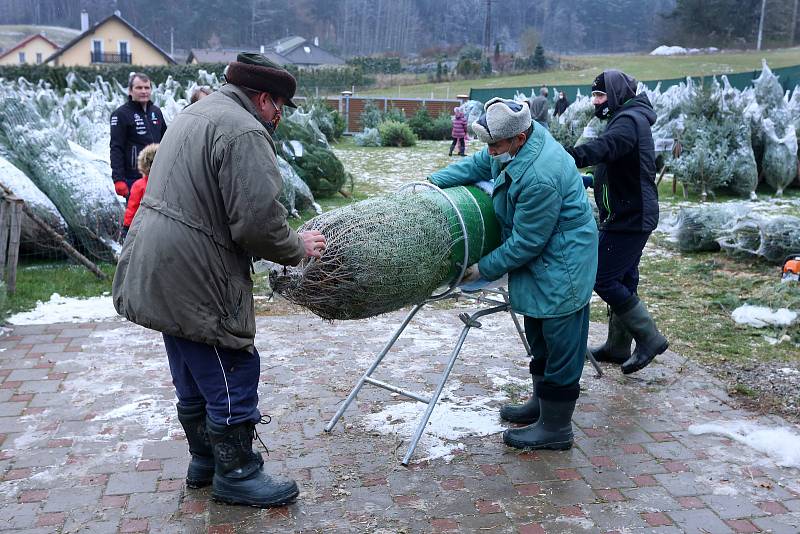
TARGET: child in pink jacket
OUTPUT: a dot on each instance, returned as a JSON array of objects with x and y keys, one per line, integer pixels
[{"x": 459, "y": 132}]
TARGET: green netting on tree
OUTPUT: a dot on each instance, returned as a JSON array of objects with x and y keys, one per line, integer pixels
[
  {"x": 304, "y": 146},
  {"x": 391, "y": 251}
]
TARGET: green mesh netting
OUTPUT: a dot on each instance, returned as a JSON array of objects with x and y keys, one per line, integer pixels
[{"x": 391, "y": 251}]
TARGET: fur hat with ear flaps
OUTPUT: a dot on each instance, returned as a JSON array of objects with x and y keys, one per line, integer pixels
[{"x": 502, "y": 119}]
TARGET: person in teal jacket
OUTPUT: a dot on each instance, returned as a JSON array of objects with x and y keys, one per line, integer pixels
[{"x": 549, "y": 250}]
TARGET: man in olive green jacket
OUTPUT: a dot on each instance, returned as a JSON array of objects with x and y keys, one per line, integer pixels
[
  {"x": 211, "y": 204},
  {"x": 548, "y": 249}
]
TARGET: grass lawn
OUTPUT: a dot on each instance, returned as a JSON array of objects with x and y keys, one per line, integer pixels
[
  {"x": 37, "y": 280},
  {"x": 585, "y": 68}
]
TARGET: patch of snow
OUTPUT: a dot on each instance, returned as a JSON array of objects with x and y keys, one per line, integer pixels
[
  {"x": 66, "y": 310},
  {"x": 665, "y": 50},
  {"x": 761, "y": 316},
  {"x": 782, "y": 445},
  {"x": 453, "y": 419}
]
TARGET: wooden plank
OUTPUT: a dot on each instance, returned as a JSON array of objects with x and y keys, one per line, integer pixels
[
  {"x": 15, "y": 228},
  {"x": 5, "y": 212}
]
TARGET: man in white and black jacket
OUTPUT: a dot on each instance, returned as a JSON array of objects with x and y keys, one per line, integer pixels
[
  {"x": 134, "y": 125},
  {"x": 627, "y": 199}
]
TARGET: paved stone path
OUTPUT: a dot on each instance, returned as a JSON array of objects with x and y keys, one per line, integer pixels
[{"x": 90, "y": 442}]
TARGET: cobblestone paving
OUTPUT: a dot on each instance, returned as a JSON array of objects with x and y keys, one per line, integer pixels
[{"x": 89, "y": 440}]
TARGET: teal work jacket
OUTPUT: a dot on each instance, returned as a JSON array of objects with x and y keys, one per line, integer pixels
[{"x": 548, "y": 235}]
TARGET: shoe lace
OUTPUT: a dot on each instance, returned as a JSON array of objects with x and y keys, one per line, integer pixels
[{"x": 264, "y": 420}]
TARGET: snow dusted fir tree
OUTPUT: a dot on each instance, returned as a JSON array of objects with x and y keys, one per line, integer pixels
[
  {"x": 707, "y": 140},
  {"x": 776, "y": 131}
]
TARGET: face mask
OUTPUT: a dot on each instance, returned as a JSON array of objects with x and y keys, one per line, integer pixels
[
  {"x": 601, "y": 111},
  {"x": 505, "y": 157}
]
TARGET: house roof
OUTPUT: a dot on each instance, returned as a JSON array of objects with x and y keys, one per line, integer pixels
[
  {"x": 205, "y": 55},
  {"x": 91, "y": 31},
  {"x": 25, "y": 41},
  {"x": 301, "y": 51}
]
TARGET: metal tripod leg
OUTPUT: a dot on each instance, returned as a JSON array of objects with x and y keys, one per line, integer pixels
[
  {"x": 372, "y": 368},
  {"x": 435, "y": 397},
  {"x": 469, "y": 322},
  {"x": 590, "y": 357}
]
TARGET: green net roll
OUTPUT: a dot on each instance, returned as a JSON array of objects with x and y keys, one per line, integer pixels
[{"x": 391, "y": 251}]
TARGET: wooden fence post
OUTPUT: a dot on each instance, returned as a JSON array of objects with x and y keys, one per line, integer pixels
[
  {"x": 14, "y": 230},
  {"x": 5, "y": 213}
]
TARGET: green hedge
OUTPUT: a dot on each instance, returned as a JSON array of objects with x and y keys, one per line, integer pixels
[
  {"x": 307, "y": 79},
  {"x": 377, "y": 65}
]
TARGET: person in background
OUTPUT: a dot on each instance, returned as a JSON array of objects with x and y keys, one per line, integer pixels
[
  {"x": 134, "y": 125},
  {"x": 561, "y": 105},
  {"x": 145, "y": 161},
  {"x": 211, "y": 205},
  {"x": 627, "y": 199},
  {"x": 200, "y": 92},
  {"x": 548, "y": 249},
  {"x": 540, "y": 108},
  {"x": 459, "y": 132}
]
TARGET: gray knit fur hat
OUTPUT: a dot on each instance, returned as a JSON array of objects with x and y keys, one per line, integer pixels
[{"x": 502, "y": 119}]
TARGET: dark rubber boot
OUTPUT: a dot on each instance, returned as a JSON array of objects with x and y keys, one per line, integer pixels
[
  {"x": 649, "y": 341},
  {"x": 239, "y": 477},
  {"x": 552, "y": 431},
  {"x": 201, "y": 466},
  {"x": 525, "y": 413},
  {"x": 617, "y": 348}
]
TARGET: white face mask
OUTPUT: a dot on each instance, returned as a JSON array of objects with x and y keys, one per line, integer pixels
[{"x": 505, "y": 157}]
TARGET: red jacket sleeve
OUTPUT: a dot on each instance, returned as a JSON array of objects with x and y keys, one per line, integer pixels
[{"x": 137, "y": 192}]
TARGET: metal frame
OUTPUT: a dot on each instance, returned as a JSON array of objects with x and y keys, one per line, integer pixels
[{"x": 470, "y": 321}]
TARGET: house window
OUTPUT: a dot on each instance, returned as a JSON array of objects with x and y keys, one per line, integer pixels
[
  {"x": 38, "y": 58},
  {"x": 22, "y": 57},
  {"x": 97, "y": 51},
  {"x": 124, "y": 52}
]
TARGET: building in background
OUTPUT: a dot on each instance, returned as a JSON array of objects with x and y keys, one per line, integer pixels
[
  {"x": 293, "y": 50},
  {"x": 226, "y": 55},
  {"x": 113, "y": 40},
  {"x": 303, "y": 53},
  {"x": 33, "y": 50}
]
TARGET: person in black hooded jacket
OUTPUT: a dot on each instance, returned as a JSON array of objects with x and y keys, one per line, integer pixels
[{"x": 627, "y": 199}]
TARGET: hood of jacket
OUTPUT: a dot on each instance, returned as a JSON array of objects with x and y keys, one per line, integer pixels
[
  {"x": 619, "y": 88},
  {"x": 640, "y": 104}
]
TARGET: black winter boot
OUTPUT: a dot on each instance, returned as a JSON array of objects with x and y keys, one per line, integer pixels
[
  {"x": 617, "y": 348},
  {"x": 552, "y": 431},
  {"x": 201, "y": 467},
  {"x": 649, "y": 341},
  {"x": 239, "y": 477},
  {"x": 525, "y": 413}
]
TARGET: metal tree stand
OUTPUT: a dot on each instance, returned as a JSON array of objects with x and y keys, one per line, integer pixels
[{"x": 496, "y": 297}]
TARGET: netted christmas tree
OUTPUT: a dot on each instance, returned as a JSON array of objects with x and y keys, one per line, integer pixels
[
  {"x": 569, "y": 126},
  {"x": 33, "y": 238},
  {"x": 391, "y": 251},
  {"x": 771, "y": 238},
  {"x": 775, "y": 132},
  {"x": 698, "y": 229},
  {"x": 82, "y": 194},
  {"x": 715, "y": 146}
]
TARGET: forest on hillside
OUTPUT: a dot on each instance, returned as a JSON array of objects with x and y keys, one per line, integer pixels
[{"x": 364, "y": 27}]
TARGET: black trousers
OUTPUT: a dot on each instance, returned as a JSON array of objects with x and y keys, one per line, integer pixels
[
  {"x": 618, "y": 266},
  {"x": 461, "y": 143}
]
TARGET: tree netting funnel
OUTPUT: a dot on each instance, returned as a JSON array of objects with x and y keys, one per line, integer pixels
[{"x": 392, "y": 251}]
